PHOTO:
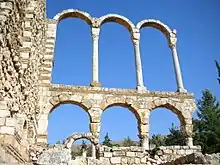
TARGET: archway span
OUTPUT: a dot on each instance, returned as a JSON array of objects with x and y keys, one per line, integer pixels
[
  {"x": 71, "y": 102},
  {"x": 173, "y": 109},
  {"x": 157, "y": 25},
  {"x": 117, "y": 19},
  {"x": 77, "y": 136},
  {"x": 114, "y": 123},
  {"x": 72, "y": 13},
  {"x": 64, "y": 119},
  {"x": 127, "y": 106}
]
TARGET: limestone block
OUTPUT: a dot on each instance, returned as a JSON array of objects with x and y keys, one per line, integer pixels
[
  {"x": 137, "y": 160},
  {"x": 115, "y": 160},
  {"x": 2, "y": 105},
  {"x": 11, "y": 122},
  {"x": 118, "y": 153},
  {"x": 2, "y": 121},
  {"x": 4, "y": 113},
  {"x": 7, "y": 130},
  {"x": 108, "y": 154},
  {"x": 124, "y": 160},
  {"x": 130, "y": 154},
  {"x": 95, "y": 127}
]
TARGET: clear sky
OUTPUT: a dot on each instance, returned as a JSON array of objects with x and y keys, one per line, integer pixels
[{"x": 197, "y": 23}]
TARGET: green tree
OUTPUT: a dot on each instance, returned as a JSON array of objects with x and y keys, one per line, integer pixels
[
  {"x": 107, "y": 141},
  {"x": 175, "y": 137},
  {"x": 58, "y": 142},
  {"x": 158, "y": 140},
  {"x": 218, "y": 69},
  {"x": 127, "y": 142},
  {"x": 207, "y": 126}
]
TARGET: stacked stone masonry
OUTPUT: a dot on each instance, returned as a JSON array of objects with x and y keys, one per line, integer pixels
[{"x": 27, "y": 96}]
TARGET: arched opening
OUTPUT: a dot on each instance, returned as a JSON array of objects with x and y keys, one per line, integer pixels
[
  {"x": 117, "y": 63},
  {"x": 165, "y": 128},
  {"x": 81, "y": 148},
  {"x": 72, "y": 59},
  {"x": 157, "y": 62},
  {"x": 119, "y": 126},
  {"x": 64, "y": 120}
]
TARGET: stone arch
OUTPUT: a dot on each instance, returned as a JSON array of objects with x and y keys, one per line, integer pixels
[
  {"x": 170, "y": 106},
  {"x": 76, "y": 136},
  {"x": 157, "y": 25},
  {"x": 71, "y": 13},
  {"x": 126, "y": 105},
  {"x": 118, "y": 19},
  {"x": 66, "y": 99}
]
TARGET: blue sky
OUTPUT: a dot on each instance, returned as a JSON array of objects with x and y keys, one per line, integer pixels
[{"x": 197, "y": 23}]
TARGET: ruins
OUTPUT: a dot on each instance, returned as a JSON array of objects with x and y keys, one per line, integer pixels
[{"x": 27, "y": 96}]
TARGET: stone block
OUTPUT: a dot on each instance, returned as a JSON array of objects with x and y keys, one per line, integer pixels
[
  {"x": 2, "y": 121},
  {"x": 130, "y": 154},
  {"x": 7, "y": 130},
  {"x": 119, "y": 153},
  {"x": 124, "y": 160},
  {"x": 11, "y": 122},
  {"x": 107, "y": 154},
  {"x": 115, "y": 160},
  {"x": 2, "y": 105},
  {"x": 137, "y": 160}
]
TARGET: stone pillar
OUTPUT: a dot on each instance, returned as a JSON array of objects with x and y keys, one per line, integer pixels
[
  {"x": 177, "y": 69},
  {"x": 139, "y": 74},
  {"x": 144, "y": 136},
  {"x": 95, "y": 57},
  {"x": 143, "y": 127},
  {"x": 93, "y": 151},
  {"x": 187, "y": 130}
]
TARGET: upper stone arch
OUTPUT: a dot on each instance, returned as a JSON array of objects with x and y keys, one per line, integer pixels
[
  {"x": 118, "y": 19},
  {"x": 72, "y": 13},
  {"x": 155, "y": 24}
]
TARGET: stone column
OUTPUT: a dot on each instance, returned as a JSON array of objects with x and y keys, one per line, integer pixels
[
  {"x": 144, "y": 135},
  {"x": 143, "y": 127},
  {"x": 139, "y": 74},
  {"x": 172, "y": 45},
  {"x": 93, "y": 151},
  {"x": 187, "y": 130},
  {"x": 95, "y": 57}
]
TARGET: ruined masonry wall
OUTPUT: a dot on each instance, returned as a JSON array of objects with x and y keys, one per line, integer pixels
[
  {"x": 21, "y": 38},
  {"x": 136, "y": 155}
]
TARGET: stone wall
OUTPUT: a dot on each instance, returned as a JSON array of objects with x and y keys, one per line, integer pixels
[
  {"x": 59, "y": 154},
  {"x": 21, "y": 44},
  {"x": 137, "y": 155}
]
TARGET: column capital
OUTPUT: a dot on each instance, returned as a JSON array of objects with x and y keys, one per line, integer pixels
[
  {"x": 135, "y": 37},
  {"x": 172, "y": 42},
  {"x": 173, "y": 39},
  {"x": 95, "y": 33}
]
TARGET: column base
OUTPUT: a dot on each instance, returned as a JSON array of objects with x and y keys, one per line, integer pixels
[
  {"x": 189, "y": 142},
  {"x": 182, "y": 90},
  {"x": 141, "y": 88},
  {"x": 95, "y": 84}
]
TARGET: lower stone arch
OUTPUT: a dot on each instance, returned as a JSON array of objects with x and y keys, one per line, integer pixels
[
  {"x": 130, "y": 107},
  {"x": 76, "y": 136},
  {"x": 178, "y": 113},
  {"x": 89, "y": 136}
]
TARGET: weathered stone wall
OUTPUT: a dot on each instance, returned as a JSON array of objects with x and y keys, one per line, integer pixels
[
  {"x": 59, "y": 154},
  {"x": 96, "y": 100},
  {"x": 21, "y": 44},
  {"x": 137, "y": 155}
]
